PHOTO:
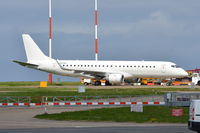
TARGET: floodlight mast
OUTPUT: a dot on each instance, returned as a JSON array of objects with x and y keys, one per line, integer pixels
[
  {"x": 96, "y": 30},
  {"x": 50, "y": 77},
  {"x": 50, "y": 30}
]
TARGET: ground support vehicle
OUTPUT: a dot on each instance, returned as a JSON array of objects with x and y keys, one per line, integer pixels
[
  {"x": 194, "y": 119},
  {"x": 94, "y": 82}
]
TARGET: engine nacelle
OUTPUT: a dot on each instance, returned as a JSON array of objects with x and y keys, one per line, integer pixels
[{"x": 115, "y": 78}]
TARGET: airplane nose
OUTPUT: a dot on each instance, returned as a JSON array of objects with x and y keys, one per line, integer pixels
[{"x": 184, "y": 73}]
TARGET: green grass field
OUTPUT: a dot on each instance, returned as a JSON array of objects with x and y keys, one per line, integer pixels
[
  {"x": 89, "y": 92},
  {"x": 8, "y": 89},
  {"x": 14, "y": 89},
  {"x": 35, "y": 83},
  {"x": 37, "y": 93},
  {"x": 151, "y": 114}
]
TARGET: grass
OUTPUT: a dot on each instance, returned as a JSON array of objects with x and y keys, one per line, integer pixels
[
  {"x": 39, "y": 92},
  {"x": 159, "y": 114},
  {"x": 9, "y": 91},
  {"x": 26, "y": 83},
  {"x": 61, "y": 91},
  {"x": 36, "y": 83}
]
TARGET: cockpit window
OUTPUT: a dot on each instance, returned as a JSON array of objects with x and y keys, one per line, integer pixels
[{"x": 175, "y": 66}]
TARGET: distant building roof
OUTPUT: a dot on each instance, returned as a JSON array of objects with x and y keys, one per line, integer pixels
[{"x": 194, "y": 70}]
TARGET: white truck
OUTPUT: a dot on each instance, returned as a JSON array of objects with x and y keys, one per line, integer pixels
[
  {"x": 196, "y": 78},
  {"x": 194, "y": 116}
]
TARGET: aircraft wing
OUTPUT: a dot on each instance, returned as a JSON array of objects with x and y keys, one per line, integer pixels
[
  {"x": 25, "y": 64},
  {"x": 96, "y": 74}
]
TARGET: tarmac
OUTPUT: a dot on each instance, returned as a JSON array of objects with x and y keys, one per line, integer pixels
[
  {"x": 22, "y": 117},
  {"x": 133, "y": 129}
]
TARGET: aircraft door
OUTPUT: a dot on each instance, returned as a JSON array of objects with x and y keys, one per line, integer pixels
[{"x": 163, "y": 68}]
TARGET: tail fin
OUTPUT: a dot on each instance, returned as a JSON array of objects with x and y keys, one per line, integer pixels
[{"x": 33, "y": 52}]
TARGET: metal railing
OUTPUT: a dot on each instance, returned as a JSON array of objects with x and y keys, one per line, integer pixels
[
  {"x": 15, "y": 99},
  {"x": 102, "y": 98},
  {"x": 78, "y": 100},
  {"x": 180, "y": 99}
]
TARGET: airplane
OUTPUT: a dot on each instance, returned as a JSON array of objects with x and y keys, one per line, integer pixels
[{"x": 115, "y": 72}]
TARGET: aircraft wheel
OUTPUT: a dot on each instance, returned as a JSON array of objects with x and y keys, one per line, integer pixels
[
  {"x": 198, "y": 83},
  {"x": 86, "y": 84},
  {"x": 97, "y": 83},
  {"x": 108, "y": 83},
  {"x": 169, "y": 83}
]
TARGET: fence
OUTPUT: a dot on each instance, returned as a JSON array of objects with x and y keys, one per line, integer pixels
[
  {"x": 82, "y": 100},
  {"x": 180, "y": 99},
  {"x": 170, "y": 99}
]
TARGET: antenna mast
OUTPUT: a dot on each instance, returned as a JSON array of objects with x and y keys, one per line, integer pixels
[
  {"x": 50, "y": 77},
  {"x": 96, "y": 30}
]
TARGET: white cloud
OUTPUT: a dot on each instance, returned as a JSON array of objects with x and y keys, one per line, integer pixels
[{"x": 155, "y": 23}]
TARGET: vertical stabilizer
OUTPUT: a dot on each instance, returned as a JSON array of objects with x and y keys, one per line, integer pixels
[{"x": 33, "y": 52}]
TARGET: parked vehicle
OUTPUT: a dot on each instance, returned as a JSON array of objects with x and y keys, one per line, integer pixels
[
  {"x": 196, "y": 78},
  {"x": 194, "y": 113},
  {"x": 95, "y": 82}
]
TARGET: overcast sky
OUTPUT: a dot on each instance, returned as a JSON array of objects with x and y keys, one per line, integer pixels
[{"x": 156, "y": 30}]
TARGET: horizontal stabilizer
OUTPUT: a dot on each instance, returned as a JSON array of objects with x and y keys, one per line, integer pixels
[{"x": 25, "y": 64}]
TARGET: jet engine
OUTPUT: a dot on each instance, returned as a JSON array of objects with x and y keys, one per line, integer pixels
[{"x": 115, "y": 78}]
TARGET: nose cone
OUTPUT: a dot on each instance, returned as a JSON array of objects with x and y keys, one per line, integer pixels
[{"x": 184, "y": 73}]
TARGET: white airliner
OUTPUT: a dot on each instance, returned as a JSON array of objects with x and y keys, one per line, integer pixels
[{"x": 115, "y": 72}]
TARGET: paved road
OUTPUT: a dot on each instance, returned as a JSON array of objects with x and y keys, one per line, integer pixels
[
  {"x": 19, "y": 120},
  {"x": 135, "y": 129}
]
